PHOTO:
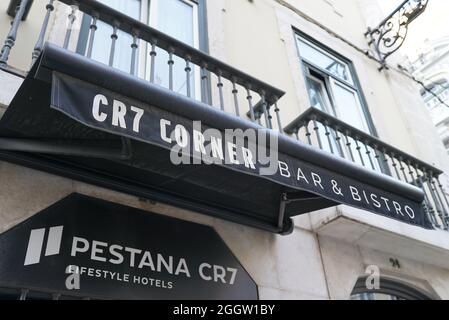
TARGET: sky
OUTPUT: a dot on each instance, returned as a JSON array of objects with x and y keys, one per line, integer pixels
[{"x": 431, "y": 25}]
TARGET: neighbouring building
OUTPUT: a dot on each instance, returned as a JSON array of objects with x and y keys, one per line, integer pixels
[
  {"x": 106, "y": 107},
  {"x": 432, "y": 68}
]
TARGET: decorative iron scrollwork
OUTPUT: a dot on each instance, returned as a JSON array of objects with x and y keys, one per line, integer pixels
[{"x": 390, "y": 34}]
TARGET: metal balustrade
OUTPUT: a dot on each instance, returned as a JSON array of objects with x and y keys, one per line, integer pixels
[
  {"x": 313, "y": 126},
  {"x": 242, "y": 86},
  {"x": 320, "y": 129}
]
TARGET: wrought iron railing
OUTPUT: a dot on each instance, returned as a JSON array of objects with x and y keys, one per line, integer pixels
[
  {"x": 328, "y": 133},
  {"x": 313, "y": 126},
  {"x": 242, "y": 87}
]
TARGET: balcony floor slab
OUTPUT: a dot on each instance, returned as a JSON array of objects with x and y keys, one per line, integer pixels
[{"x": 362, "y": 229}]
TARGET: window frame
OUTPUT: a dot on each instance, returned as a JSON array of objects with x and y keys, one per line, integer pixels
[
  {"x": 356, "y": 86},
  {"x": 325, "y": 53},
  {"x": 329, "y": 106}
]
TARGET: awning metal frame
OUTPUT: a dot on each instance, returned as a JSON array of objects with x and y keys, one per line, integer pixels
[{"x": 70, "y": 147}]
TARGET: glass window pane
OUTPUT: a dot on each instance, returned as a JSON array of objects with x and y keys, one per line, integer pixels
[
  {"x": 324, "y": 61},
  {"x": 348, "y": 107},
  {"x": 320, "y": 100},
  {"x": 175, "y": 18},
  {"x": 374, "y": 296},
  {"x": 102, "y": 45},
  {"x": 349, "y": 110},
  {"x": 316, "y": 94}
]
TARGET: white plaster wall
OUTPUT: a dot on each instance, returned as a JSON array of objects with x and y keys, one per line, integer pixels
[
  {"x": 344, "y": 263},
  {"x": 27, "y": 35},
  {"x": 9, "y": 85}
]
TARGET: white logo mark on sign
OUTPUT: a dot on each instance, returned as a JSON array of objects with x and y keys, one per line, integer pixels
[{"x": 34, "y": 249}]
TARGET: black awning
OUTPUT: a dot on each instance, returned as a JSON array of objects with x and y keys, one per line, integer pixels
[{"x": 52, "y": 124}]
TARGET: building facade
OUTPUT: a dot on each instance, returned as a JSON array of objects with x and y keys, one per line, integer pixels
[{"x": 331, "y": 96}]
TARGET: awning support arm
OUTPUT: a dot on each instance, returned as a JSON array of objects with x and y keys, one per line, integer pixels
[
  {"x": 282, "y": 206},
  {"x": 287, "y": 198}
]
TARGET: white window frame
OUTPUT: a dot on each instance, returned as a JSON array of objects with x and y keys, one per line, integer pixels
[
  {"x": 328, "y": 105},
  {"x": 327, "y": 54}
]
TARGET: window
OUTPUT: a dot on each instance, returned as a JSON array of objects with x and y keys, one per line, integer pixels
[
  {"x": 388, "y": 290},
  {"x": 332, "y": 88},
  {"x": 374, "y": 296},
  {"x": 177, "y": 18},
  {"x": 332, "y": 79},
  {"x": 102, "y": 40},
  {"x": 440, "y": 89}
]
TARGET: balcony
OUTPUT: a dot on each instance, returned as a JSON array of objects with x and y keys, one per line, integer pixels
[
  {"x": 323, "y": 131},
  {"x": 242, "y": 88},
  {"x": 230, "y": 95}
]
